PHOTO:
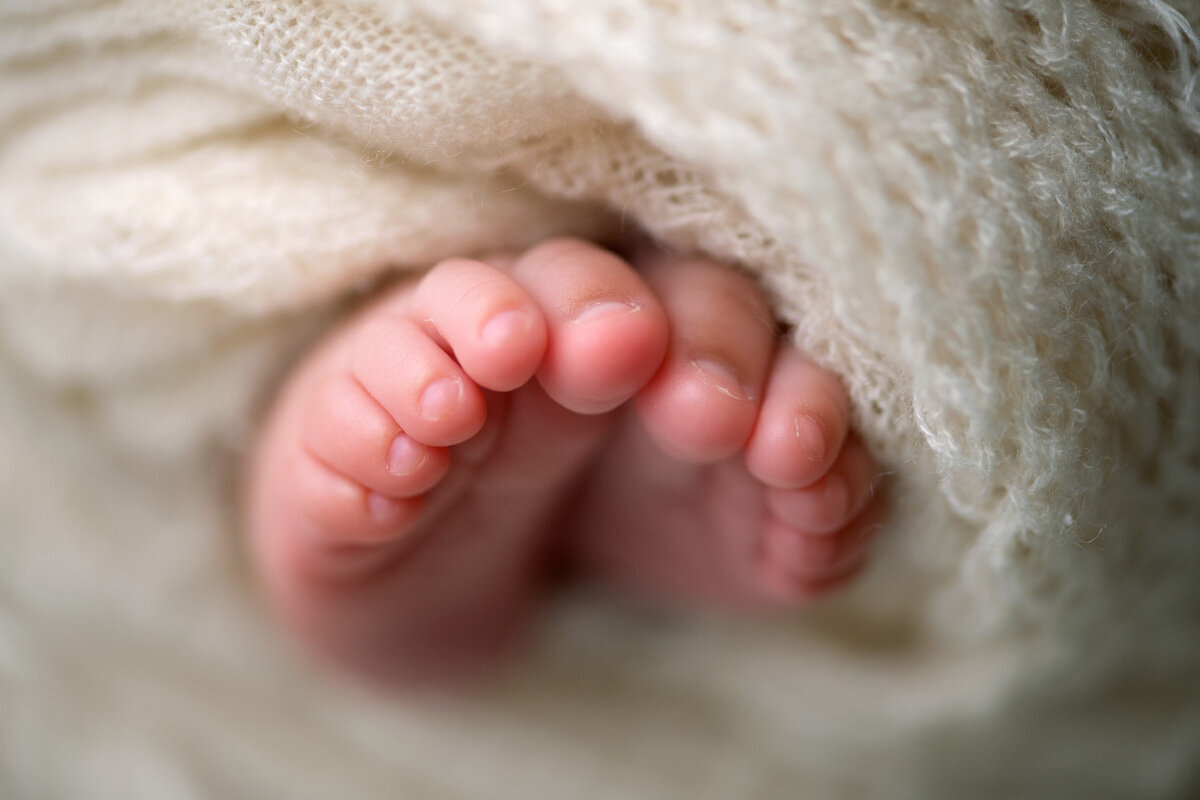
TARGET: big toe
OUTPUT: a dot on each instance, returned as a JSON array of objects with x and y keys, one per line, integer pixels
[{"x": 607, "y": 330}]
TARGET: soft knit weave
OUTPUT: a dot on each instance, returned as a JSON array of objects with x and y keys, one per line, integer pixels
[{"x": 983, "y": 214}]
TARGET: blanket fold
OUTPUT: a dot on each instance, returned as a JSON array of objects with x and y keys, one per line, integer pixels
[{"x": 984, "y": 216}]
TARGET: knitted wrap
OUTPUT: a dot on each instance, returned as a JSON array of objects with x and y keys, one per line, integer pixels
[{"x": 984, "y": 215}]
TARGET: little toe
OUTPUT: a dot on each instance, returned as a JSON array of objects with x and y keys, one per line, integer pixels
[
  {"x": 835, "y": 499},
  {"x": 802, "y": 423},
  {"x": 416, "y": 381},
  {"x": 345, "y": 428},
  {"x": 336, "y": 510},
  {"x": 493, "y": 326},
  {"x": 607, "y": 331},
  {"x": 702, "y": 404},
  {"x": 800, "y": 565}
]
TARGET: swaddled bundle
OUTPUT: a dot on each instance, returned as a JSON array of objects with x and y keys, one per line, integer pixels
[{"x": 984, "y": 216}]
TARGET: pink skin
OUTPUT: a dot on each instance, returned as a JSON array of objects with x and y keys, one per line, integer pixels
[
  {"x": 413, "y": 482},
  {"x": 739, "y": 443}
]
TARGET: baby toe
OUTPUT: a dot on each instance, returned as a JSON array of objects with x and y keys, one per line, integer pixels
[
  {"x": 333, "y": 509},
  {"x": 800, "y": 565},
  {"x": 492, "y": 326},
  {"x": 835, "y": 499},
  {"x": 802, "y": 423},
  {"x": 607, "y": 331},
  {"x": 345, "y": 428},
  {"x": 702, "y": 403},
  {"x": 416, "y": 382}
]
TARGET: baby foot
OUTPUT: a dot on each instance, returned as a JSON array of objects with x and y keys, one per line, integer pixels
[
  {"x": 409, "y": 476},
  {"x": 735, "y": 482}
]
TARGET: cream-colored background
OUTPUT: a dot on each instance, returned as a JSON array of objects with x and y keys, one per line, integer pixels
[{"x": 984, "y": 216}]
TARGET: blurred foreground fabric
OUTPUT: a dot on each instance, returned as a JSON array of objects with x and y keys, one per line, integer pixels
[{"x": 984, "y": 215}]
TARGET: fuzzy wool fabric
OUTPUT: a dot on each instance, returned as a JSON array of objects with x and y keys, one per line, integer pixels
[{"x": 983, "y": 214}]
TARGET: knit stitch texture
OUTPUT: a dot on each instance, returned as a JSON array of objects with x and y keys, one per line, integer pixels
[{"x": 983, "y": 214}]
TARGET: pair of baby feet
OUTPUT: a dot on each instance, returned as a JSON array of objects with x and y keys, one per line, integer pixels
[{"x": 446, "y": 452}]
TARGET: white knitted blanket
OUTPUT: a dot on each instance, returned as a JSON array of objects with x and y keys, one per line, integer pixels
[{"x": 983, "y": 214}]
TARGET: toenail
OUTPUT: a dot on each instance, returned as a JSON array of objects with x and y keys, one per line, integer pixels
[
  {"x": 812, "y": 437},
  {"x": 440, "y": 398},
  {"x": 405, "y": 456},
  {"x": 720, "y": 376},
  {"x": 605, "y": 308},
  {"x": 506, "y": 326}
]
